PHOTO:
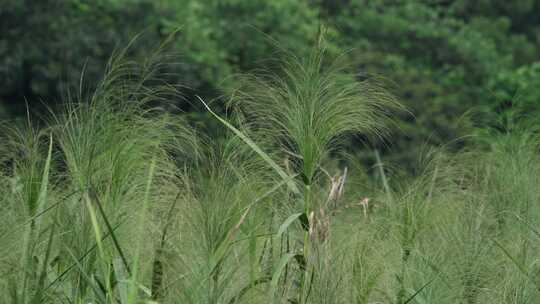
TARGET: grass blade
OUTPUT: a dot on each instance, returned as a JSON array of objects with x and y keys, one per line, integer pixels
[
  {"x": 116, "y": 243},
  {"x": 277, "y": 272},
  {"x": 44, "y": 181},
  {"x": 417, "y": 292},
  {"x": 287, "y": 223},
  {"x": 38, "y": 296},
  {"x": 255, "y": 148}
]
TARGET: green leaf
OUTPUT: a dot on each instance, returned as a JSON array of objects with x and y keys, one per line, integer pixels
[
  {"x": 44, "y": 181},
  {"x": 110, "y": 229},
  {"x": 417, "y": 292},
  {"x": 37, "y": 297},
  {"x": 86, "y": 277},
  {"x": 255, "y": 148},
  {"x": 287, "y": 223},
  {"x": 277, "y": 272},
  {"x": 223, "y": 247}
]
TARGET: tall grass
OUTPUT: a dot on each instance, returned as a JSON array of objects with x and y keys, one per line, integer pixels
[
  {"x": 102, "y": 150},
  {"x": 111, "y": 199},
  {"x": 304, "y": 112}
]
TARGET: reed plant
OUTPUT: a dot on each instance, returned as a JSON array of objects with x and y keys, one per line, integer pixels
[{"x": 111, "y": 198}]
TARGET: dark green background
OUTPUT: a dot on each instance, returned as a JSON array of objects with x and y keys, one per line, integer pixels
[{"x": 443, "y": 58}]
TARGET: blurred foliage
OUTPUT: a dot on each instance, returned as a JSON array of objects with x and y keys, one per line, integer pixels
[
  {"x": 442, "y": 57},
  {"x": 446, "y": 58},
  {"x": 222, "y": 37},
  {"x": 519, "y": 86}
]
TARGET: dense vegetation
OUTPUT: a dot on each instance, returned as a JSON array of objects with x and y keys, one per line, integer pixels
[
  {"x": 259, "y": 165},
  {"x": 444, "y": 57},
  {"x": 113, "y": 199}
]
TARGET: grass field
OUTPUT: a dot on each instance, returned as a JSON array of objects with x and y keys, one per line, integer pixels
[{"x": 112, "y": 199}]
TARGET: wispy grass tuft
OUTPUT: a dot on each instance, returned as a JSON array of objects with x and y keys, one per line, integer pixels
[{"x": 113, "y": 199}]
